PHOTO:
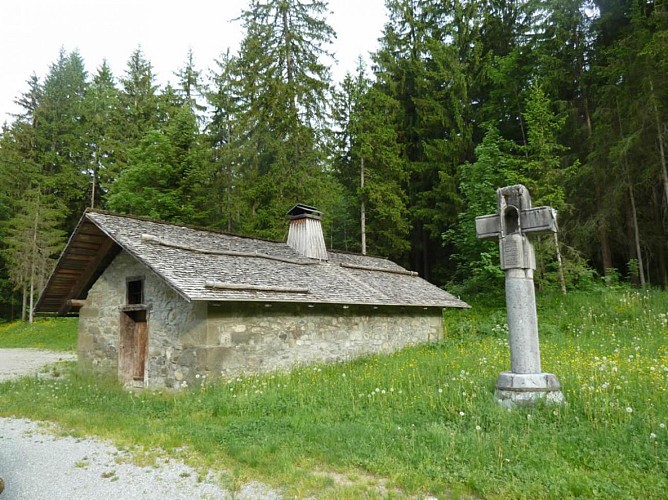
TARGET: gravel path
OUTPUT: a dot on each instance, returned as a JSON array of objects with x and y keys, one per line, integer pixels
[
  {"x": 17, "y": 362},
  {"x": 36, "y": 465}
]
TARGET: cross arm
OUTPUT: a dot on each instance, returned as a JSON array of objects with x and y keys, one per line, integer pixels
[
  {"x": 488, "y": 227},
  {"x": 539, "y": 220}
]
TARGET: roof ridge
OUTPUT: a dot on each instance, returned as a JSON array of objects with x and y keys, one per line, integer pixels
[
  {"x": 232, "y": 253},
  {"x": 220, "y": 232},
  {"x": 178, "y": 224}
]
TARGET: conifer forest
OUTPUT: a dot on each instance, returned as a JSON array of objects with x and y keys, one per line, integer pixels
[{"x": 568, "y": 97}]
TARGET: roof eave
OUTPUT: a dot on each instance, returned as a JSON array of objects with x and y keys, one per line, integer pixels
[
  {"x": 458, "y": 305},
  {"x": 136, "y": 256}
]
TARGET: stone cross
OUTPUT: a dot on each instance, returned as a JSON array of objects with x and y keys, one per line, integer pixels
[{"x": 514, "y": 220}]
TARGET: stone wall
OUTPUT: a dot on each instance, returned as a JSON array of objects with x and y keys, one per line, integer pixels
[
  {"x": 256, "y": 337},
  {"x": 189, "y": 339},
  {"x": 169, "y": 316}
]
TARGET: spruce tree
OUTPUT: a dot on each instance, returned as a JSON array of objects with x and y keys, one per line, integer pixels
[
  {"x": 189, "y": 85},
  {"x": 284, "y": 87},
  {"x": 33, "y": 240},
  {"x": 428, "y": 63},
  {"x": 59, "y": 130},
  {"x": 103, "y": 134},
  {"x": 222, "y": 183},
  {"x": 369, "y": 165},
  {"x": 138, "y": 98}
]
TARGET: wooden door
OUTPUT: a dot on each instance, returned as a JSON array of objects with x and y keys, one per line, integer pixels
[{"x": 133, "y": 346}]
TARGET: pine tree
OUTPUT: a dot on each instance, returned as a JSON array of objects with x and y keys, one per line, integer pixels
[
  {"x": 17, "y": 170},
  {"x": 369, "y": 165},
  {"x": 494, "y": 167},
  {"x": 284, "y": 87},
  {"x": 189, "y": 85},
  {"x": 627, "y": 161},
  {"x": 542, "y": 168},
  {"x": 222, "y": 183},
  {"x": 103, "y": 133},
  {"x": 138, "y": 99},
  {"x": 59, "y": 131},
  {"x": 33, "y": 240},
  {"x": 428, "y": 63},
  {"x": 29, "y": 100},
  {"x": 147, "y": 186},
  {"x": 544, "y": 173}
]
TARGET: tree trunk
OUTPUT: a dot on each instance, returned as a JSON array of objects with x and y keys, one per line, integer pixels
[
  {"x": 92, "y": 194},
  {"x": 362, "y": 208},
  {"x": 663, "y": 271},
  {"x": 33, "y": 258},
  {"x": 24, "y": 302},
  {"x": 634, "y": 214},
  {"x": 659, "y": 132},
  {"x": 425, "y": 254},
  {"x": 641, "y": 268},
  {"x": 606, "y": 252},
  {"x": 228, "y": 200},
  {"x": 562, "y": 280},
  {"x": 32, "y": 297}
]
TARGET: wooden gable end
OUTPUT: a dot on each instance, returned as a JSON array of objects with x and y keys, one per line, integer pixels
[{"x": 85, "y": 257}]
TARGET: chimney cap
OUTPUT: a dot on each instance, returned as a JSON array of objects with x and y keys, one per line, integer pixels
[{"x": 301, "y": 210}]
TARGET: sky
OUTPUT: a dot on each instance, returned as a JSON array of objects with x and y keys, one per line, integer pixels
[{"x": 32, "y": 32}]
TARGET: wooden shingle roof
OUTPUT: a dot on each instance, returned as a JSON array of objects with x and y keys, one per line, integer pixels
[{"x": 204, "y": 265}]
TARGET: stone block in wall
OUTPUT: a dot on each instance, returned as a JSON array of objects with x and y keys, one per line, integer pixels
[
  {"x": 187, "y": 357},
  {"x": 194, "y": 337},
  {"x": 89, "y": 312},
  {"x": 218, "y": 360},
  {"x": 241, "y": 338}
]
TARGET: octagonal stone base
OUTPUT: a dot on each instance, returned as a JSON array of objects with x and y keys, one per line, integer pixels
[{"x": 526, "y": 388}]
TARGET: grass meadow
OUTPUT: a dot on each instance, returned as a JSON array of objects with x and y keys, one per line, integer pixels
[
  {"x": 421, "y": 422},
  {"x": 52, "y": 334}
]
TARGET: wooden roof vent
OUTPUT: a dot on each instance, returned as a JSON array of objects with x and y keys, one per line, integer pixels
[{"x": 305, "y": 234}]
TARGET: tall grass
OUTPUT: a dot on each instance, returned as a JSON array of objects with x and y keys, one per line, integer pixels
[{"x": 421, "y": 421}]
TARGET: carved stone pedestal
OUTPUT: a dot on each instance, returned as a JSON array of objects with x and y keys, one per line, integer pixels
[{"x": 527, "y": 388}]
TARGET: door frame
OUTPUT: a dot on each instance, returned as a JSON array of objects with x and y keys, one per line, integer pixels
[{"x": 133, "y": 345}]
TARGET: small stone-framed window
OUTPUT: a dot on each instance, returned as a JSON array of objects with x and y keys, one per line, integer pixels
[{"x": 135, "y": 290}]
